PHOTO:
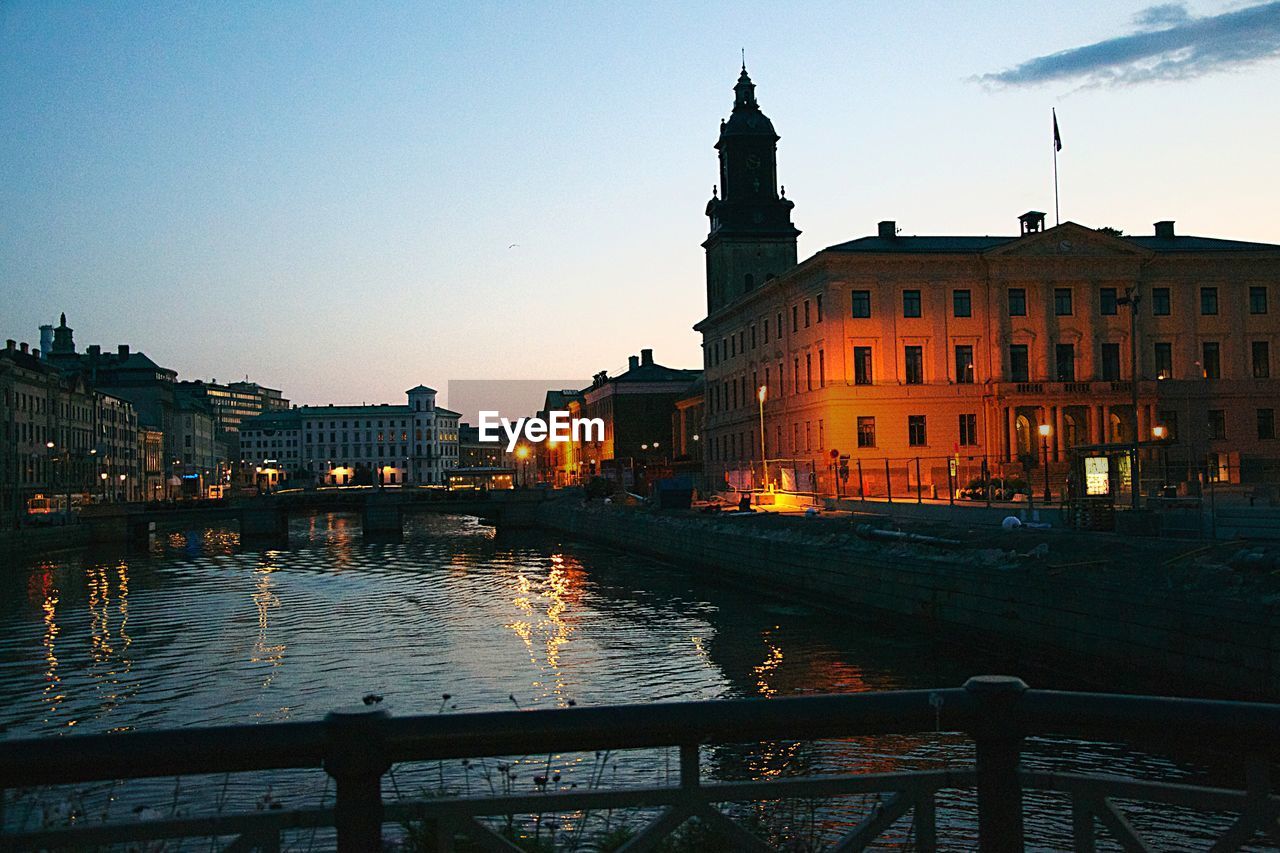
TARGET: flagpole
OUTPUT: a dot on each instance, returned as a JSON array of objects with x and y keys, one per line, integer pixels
[{"x": 1057, "y": 217}]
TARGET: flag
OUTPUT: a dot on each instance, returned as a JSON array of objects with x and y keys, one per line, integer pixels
[{"x": 1057, "y": 137}]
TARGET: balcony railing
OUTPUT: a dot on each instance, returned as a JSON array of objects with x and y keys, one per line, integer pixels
[{"x": 357, "y": 748}]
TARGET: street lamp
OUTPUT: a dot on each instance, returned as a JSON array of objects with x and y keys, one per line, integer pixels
[
  {"x": 1131, "y": 299},
  {"x": 522, "y": 453},
  {"x": 1160, "y": 432},
  {"x": 122, "y": 496},
  {"x": 1045, "y": 430},
  {"x": 761, "y": 394}
]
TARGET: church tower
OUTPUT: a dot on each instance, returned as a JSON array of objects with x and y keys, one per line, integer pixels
[{"x": 751, "y": 238}]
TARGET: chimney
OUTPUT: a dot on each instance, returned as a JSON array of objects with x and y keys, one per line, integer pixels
[
  {"x": 94, "y": 351},
  {"x": 1164, "y": 228},
  {"x": 633, "y": 361},
  {"x": 123, "y": 350},
  {"x": 646, "y": 356},
  {"x": 36, "y": 353},
  {"x": 887, "y": 228},
  {"x": 9, "y": 345},
  {"x": 23, "y": 346}
]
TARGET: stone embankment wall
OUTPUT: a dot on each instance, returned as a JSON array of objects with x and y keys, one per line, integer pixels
[
  {"x": 1192, "y": 633},
  {"x": 41, "y": 540}
]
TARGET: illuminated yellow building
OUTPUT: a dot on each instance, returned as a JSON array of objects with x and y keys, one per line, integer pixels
[{"x": 946, "y": 346}]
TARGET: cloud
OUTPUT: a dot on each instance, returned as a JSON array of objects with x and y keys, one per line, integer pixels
[
  {"x": 1169, "y": 44},
  {"x": 1165, "y": 15}
]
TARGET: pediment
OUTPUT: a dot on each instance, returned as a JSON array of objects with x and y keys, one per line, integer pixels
[{"x": 1069, "y": 240}]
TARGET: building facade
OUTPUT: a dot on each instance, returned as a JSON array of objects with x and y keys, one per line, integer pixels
[
  {"x": 59, "y": 438},
  {"x": 636, "y": 407},
  {"x": 1004, "y": 349},
  {"x": 416, "y": 443}
]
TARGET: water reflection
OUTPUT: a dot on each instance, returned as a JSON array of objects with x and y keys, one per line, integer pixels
[
  {"x": 201, "y": 632},
  {"x": 545, "y": 624},
  {"x": 42, "y": 591},
  {"x": 264, "y": 600},
  {"x": 109, "y": 635}
]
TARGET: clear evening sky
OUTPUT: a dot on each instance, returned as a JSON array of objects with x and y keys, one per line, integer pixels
[{"x": 325, "y": 196}]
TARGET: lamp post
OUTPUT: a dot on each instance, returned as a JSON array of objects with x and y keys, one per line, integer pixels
[
  {"x": 1045, "y": 431},
  {"x": 761, "y": 394},
  {"x": 522, "y": 454},
  {"x": 1131, "y": 299},
  {"x": 123, "y": 498},
  {"x": 1159, "y": 432}
]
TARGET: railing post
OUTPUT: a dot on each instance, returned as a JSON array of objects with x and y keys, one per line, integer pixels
[
  {"x": 356, "y": 760},
  {"x": 998, "y": 736},
  {"x": 690, "y": 771}
]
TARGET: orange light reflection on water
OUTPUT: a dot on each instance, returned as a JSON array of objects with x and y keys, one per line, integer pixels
[
  {"x": 546, "y": 625},
  {"x": 264, "y": 601}
]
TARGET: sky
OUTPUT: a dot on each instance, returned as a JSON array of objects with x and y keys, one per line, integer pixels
[{"x": 343, "y": 200}]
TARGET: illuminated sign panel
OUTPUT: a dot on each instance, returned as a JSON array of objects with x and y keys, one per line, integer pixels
[{"x": 1097, "y": 475}]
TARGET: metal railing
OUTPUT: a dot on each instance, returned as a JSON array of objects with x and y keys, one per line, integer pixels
[{"x": 356, "y": 748}]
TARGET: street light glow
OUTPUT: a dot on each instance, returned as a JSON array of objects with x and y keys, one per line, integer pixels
[{"x": 1045, "y": 429}]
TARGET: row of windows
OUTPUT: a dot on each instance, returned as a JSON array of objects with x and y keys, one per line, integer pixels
[
  {"x": 1265, "y": 421},
  {"x": 735, "y": 393},
  {"x": 742, "y": 445},
  {"x": 808, "y": 312},
  {"x": 1109, "y": 301},
  {"x": 1064, "y": 366},
  {"x": 355, "y": 424},
  {"x": 738, "y": 446}
]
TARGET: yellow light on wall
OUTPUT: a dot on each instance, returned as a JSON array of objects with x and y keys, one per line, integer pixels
[{"x": 1159, "y": 431}]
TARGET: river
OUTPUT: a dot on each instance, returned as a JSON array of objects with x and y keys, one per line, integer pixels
[{"x": 458, "y": 618}]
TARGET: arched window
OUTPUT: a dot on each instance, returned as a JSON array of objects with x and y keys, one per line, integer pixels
[
  {"x": 1022, "y": 426},
  {"x": 1070, "y": 431}
]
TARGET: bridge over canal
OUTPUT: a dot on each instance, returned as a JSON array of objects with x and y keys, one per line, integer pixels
[{"x": 266, "y": 518}]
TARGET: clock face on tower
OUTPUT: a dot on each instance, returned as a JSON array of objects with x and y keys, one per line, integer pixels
[{"x": 753, "y": 162}]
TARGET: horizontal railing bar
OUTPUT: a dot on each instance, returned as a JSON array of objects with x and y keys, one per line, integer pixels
[
  {"x": 1118, "y": 787},
  {"x": 173, "y": 752},
  {"x": 162, "y": 828},
  {"x": 674, "y": 723},
  {"x": 1208, "y": 722},
  {"x": 914, "y": 782},
  {"x": 85, "y": 758}
]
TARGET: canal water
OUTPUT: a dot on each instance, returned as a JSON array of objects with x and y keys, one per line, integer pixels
[{"x": 458, "y": 618}]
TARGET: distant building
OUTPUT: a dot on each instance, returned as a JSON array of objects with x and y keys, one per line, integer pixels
[
  {"x": 58, "y": 436},
  {"x": 636, "y": 408},
  {"x": 154, "y": 475},
  {"x": 899, "y": 347},
  {"x": 416, "y": 443},
  {"x": 557, "y": 462},
  {"x": 126, "y": 375},
  {"x": 230, "y": 404},
  {"x": 687, "y": 424},
  {"x": 201, "y": 453},
  {"x": 481, "y": 464}
]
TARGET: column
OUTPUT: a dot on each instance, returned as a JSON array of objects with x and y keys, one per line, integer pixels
[
  {"x": 1011, "y": 433},
  {"x": 1058, "y": 447}
]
